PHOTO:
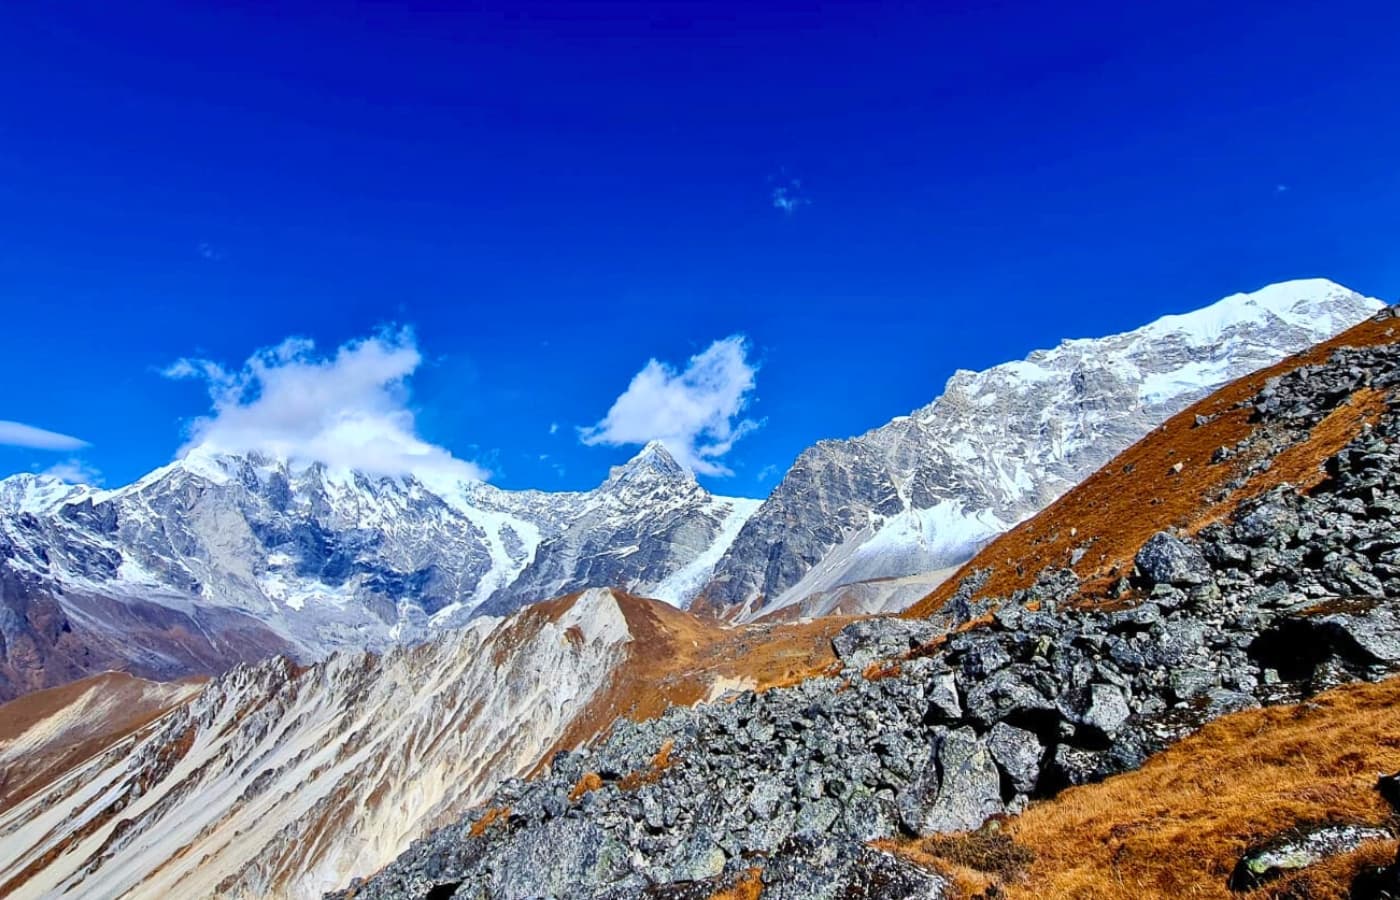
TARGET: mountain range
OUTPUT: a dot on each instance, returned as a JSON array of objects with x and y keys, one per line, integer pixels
[
  {"x": 216, "y": 559},
  {"x": 604, "y": 745}
]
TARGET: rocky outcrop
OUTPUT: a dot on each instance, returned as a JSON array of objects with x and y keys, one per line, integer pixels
[
  {"x": 1017, "y": 696},
  {"x": 650, "y": 529},
  {"x": 927, "y": 490}
]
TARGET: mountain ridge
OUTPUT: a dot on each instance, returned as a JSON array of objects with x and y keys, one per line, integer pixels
[{"x": 924, "y": 491}]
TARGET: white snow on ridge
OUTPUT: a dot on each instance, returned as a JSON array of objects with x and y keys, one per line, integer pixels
[{"x": 685, "y": 583}]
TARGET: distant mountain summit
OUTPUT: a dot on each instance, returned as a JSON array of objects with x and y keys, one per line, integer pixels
[{"x": 853, "y": 519}]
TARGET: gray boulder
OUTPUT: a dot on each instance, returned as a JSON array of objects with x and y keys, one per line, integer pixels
[
  {"x": 1017, "y": 752},
  {"x": 861, "y": 643},
  {"x": 1167, "y": 559},
  {"x": 1297, "y": 849},
  {"x": 961, "y": 792}
]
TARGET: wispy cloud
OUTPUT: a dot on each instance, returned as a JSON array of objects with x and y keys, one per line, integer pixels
[
  {"x": 787, "y": 194},
  {"x": 74, "y": 471},
  {"x": 209, "y": 252},
  {"x": 18, "y": 434},
  {"x": 553, "y": 427},
  {"x": 697, "y": 412},
  {"x": 766, "y": 472},
  {"x": 1280, "y": 188},
  {"x": 348, "y": 409}
]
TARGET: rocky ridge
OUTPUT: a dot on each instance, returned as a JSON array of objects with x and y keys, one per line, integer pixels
[{"x": 937, "y": 725}]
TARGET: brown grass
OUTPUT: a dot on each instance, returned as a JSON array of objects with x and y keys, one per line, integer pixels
[
  {"x": 748, "y": 887},
  {"x": 675, "y": 657},
  {"x": 881, "y": 669},
  {"x": 490, "y": 817},
  {"x": 590, "y": 782},
  {"x": 1176, "y": 827},
  {"x": 1114, "y": 511},
  {"x": 659, "y": 764},
  {"x": 977, "y": 862}
]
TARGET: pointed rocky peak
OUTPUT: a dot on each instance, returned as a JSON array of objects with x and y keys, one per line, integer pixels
[{"x": 654, "y": 465}]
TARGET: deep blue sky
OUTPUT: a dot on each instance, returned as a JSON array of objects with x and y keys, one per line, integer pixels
[{"x": 552, "y": 194}]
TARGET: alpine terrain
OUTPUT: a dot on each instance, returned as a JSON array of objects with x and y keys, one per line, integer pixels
[
  {"x": 853, "y": 520},
  {"x": 436, "y": 691}
]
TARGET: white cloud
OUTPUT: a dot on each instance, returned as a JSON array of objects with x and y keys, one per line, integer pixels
[
  {"x": 553, "y": 427},
  {"x": 18, "y": 434},
  {"x": 787, "y": 195},
  {"x": 348, "y": 410},
  {"x": 694, "y": 412},
  {"x": 74, "y": 471},
  {"x": 766, "y": 472}
]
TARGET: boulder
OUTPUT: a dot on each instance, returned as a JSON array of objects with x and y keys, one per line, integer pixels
[
  {"x": 1107, "y": 711},
  {"x": 861, "y": 643},
  {"x": 963, "y": 791},
  {"x": 1017, "y": 752},
  {"x": 1167, "y": 559},
  {"x": 1297, "y": 849}
]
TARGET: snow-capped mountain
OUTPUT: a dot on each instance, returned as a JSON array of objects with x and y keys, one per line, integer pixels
[
  {"x": 920, "y": 494},
  {"x": 306, "y": 560},
  {"x": 650, "y": 528}
]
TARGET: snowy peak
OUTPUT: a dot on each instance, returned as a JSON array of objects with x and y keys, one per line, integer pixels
[
  {"x": 26, "y": 493},
  {"x": 1310, "y": 303},
  {"x": 654, "y": 464},
  {"x": 923, "y": 492}
]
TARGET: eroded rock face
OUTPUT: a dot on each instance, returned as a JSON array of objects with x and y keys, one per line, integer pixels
[
  {"x": 1030, "y": 701},
  {"x": 287, "y": 782}
]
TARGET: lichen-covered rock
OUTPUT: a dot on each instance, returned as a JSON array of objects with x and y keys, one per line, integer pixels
[
  {"x": 861, "y": 643},
  {"x": 1297, "y": 849},
  {"x": 1167, "y": 559},
  {"x": 965, "y": 792},
  {"x": 1018, "y": 753}
]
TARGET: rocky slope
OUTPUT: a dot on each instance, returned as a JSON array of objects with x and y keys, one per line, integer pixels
[
  {"x": 243, "y": 790},
  {"x": 279, "y": 781},
  {"x": 937, "y": 724},
  {"x": 924, "y": 492},
  {"x": 221, "y": 559}
]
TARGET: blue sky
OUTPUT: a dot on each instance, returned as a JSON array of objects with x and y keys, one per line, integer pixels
[{"x": 551, "y": 195}]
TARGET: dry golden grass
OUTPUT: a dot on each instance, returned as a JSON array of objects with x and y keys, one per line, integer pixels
[
  {"x": 1176, "y": 827},
  {"x": 749, "y": 886},
  {"x": 1114, "y": 511},
  {"x": 675, "y": 657},
  {"x": 590, "y": 782},
  {"x": 491, "y": 817}
]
